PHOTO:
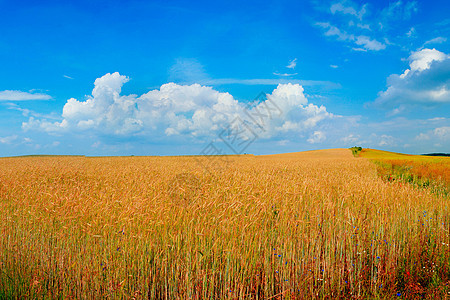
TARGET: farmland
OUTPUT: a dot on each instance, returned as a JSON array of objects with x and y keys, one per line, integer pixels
[
  {"x": 421, "y": 171},
  {"x": 320, "y": 224}
]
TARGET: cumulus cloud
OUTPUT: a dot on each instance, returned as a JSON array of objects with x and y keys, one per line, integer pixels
[
  {"x": 9, "y": 95},
  {"x": 317, "y": 137},
  {"x": 179, "y": 110},
  {"x": 433, "y": 140},
  {"x": 441, "y": 134},
  {"x": 427, "y": 81}
]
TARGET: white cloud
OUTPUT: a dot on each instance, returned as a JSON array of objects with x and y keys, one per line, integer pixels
[
  {"x": 440, "y": 134},
  {"x": 437, "y": 119},
  {"x": 334, "y": 31},
  {"x": 369, "y": 44},
  {"x": 68, "y": 77},
  {"x": 8, "y": 139},
  {"x": 268, "y": 81},
  {"x": 9, "y": 95},
  {"x": 27, "y": 112},
  {"x": 400, "y": 10},
  {"x": 292, "y": 64},
  {"x": 386, "y": 140},
  {"x": 364, "y": 26},
  {"x": 436, "y": 40},
  {"x": 422, "y": 137},
  {"x": 368, "y": 30},
  {"x": 347, "y": 10},
  {"x": 425, "y": 82},
  {"x": 284, "y": 74},
  {"x": 334, "y": 66},
  {"x": 421, "y": 60},
  {"x": 443, "y": 133},
  {"x": 350, "y": 139},
  {"x": 396, "y": 111},
  {"x": 411, "y": 32},
  {"x": 317, "y": 137},
  {"x": 178, "y": 110},
  {"x": 361, "y": 40},
  {"x": 187, "y": 71},
  {"x": 283, "y": 142}
]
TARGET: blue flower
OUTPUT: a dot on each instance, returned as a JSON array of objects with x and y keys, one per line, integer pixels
[{"x": 399, "y": 294}]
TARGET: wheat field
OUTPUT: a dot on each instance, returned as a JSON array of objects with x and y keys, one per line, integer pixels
[
  {"x": 421, "y": 170},
  {"x": 311, "y": 225}
]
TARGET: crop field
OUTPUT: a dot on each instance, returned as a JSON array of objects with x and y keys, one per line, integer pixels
[
  {"x": 312, "y": 225},
  {"x": 422, "y": 171}
]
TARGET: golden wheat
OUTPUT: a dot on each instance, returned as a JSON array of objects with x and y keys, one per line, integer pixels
[{"x": 295, "y": 226}]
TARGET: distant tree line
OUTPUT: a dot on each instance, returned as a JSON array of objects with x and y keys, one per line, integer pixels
[{"x": 437, "y": 154}]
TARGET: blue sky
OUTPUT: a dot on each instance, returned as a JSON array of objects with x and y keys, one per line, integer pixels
[{"x": 166, "y": 77}]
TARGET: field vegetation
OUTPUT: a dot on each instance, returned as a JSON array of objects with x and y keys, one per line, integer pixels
[
  {"x": 311, "y": 225},
  {"x": 432, "y": 172}
]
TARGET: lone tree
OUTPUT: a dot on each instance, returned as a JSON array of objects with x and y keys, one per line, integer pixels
[{"x": 356, "y": 150}]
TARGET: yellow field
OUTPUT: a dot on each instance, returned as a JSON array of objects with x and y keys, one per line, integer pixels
[
  {"x": 416, "y": 169},
  {"x": 306, "y": 225}
]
